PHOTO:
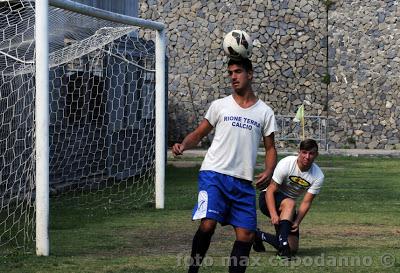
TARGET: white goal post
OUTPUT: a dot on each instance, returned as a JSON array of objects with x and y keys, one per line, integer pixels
[
  {"x": 42, "y": 128},
  {"x": 82, "y": 111}
]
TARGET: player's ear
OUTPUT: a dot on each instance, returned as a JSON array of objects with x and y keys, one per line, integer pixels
[{"x": 250, "y": 74}]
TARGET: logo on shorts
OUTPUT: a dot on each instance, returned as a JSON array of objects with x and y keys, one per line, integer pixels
[
  {"x": 202, "y": 206},
  {"x": 202, "y": 203},
  {"x": 213, "y": 211},
  {"x": 299, "y": 181}
]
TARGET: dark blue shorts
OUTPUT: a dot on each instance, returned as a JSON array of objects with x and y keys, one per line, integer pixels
[
  {"x": 279, "y": 197},
  {"x": 226, "y": 199}
]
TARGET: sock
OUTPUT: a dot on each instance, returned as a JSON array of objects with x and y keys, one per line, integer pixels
[
  {"x": 284, "y": 230},
  {"x": 269, "y": 238},
  {"x": 258, "y": 245},
  {"x": 201, "y": 242},
  {"x": 239, "y": 257}
]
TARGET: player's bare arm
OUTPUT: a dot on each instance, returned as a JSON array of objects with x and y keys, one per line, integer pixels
[
  {"x": 303, "y": 209},
  {"x": 270, "y": 162},
  {"x": 270, "y": 199},
  {"x": 192, "y": 139}
]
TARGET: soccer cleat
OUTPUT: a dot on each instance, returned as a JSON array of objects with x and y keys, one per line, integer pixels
[
  {"x": 258, "y": 245},
  {"x": 284, "y": 253}
]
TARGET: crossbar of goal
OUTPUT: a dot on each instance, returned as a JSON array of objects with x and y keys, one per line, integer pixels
[{"x": 42, "y": 107}]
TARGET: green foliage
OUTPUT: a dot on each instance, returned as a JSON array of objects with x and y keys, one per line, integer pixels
[
  {"x": 351, "y": 140},
  {"x": 326, "y": 79},
  {"x": 328, "y": 4}
]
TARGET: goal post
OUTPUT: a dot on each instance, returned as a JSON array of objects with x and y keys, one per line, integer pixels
[
  {"x": 42, "y": 127},
  {"x": 82, "y": 111},
  {"x": 160, "y": 119}
]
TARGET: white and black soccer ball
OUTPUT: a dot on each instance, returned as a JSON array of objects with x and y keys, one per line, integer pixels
[{"x": 237, "y": 44}]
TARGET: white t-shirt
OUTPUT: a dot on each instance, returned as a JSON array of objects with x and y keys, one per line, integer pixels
[
  {"x": 238, "y": 132},
  {"x": 293, "y": 182}
]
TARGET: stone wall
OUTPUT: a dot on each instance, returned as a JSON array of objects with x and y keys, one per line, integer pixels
[
  {"x": 291, "y": 61},
  {"x": 364, "y": 56}
]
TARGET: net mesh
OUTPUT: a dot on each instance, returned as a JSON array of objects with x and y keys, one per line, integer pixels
[{"x": 102, "y": 116}]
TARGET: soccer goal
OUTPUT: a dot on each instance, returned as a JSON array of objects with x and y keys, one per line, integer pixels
[{"x": 82, "y": 112}]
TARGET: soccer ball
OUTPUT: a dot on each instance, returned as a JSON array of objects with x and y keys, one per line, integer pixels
[{"x": 237, "y": 44}]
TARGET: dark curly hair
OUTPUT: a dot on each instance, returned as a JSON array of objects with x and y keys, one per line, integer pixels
[{"x": 244, "y": 62}]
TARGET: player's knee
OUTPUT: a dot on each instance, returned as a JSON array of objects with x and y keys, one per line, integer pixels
[
  {"x": 208, "y": 225},
  {"x": 288, "y": 204},
  {"x": 287, "y": 209},
  {"x": 243, "y": 234}
]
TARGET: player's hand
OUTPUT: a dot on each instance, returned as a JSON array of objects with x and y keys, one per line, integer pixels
[
  {"x": 178, "y": 149},
  {"x": 262, "y": 180},
  {"x": 275, "y": 220},
  {"x": 295, "y": 227}
]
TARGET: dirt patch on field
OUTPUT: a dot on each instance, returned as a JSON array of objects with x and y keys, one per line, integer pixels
[{"x": 175, "y": 240}]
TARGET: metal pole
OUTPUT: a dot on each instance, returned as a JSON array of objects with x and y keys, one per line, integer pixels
[
  {"x": 42, "y": 127},
  {"x": 106, "y": 15},
  {"x": 160, "y": 118}
]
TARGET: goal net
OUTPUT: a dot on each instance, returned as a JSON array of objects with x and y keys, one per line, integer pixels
[{"x": 102, "y": 114}]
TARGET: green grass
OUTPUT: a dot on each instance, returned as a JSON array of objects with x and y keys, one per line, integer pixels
[{"x": 352, "y": 224}]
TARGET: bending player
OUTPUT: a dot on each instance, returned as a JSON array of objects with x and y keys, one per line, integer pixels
[{"x": 293, "y": 176}]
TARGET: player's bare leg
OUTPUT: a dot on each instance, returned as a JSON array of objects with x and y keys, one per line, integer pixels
[
  {"x": 293, "y": 244},
  {"x": 287, "y": 209},
  {"x": 208, "y": 225},
  {"x": 201, "y": 242}
]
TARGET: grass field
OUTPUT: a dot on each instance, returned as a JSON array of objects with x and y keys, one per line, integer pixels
[{"x": 353, "y": 226}]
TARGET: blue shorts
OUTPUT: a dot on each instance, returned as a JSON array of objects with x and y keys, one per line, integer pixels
[{"x": 226, "y": 199}]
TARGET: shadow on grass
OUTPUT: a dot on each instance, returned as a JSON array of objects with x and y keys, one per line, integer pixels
[{"x": 317, "y": 251}]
